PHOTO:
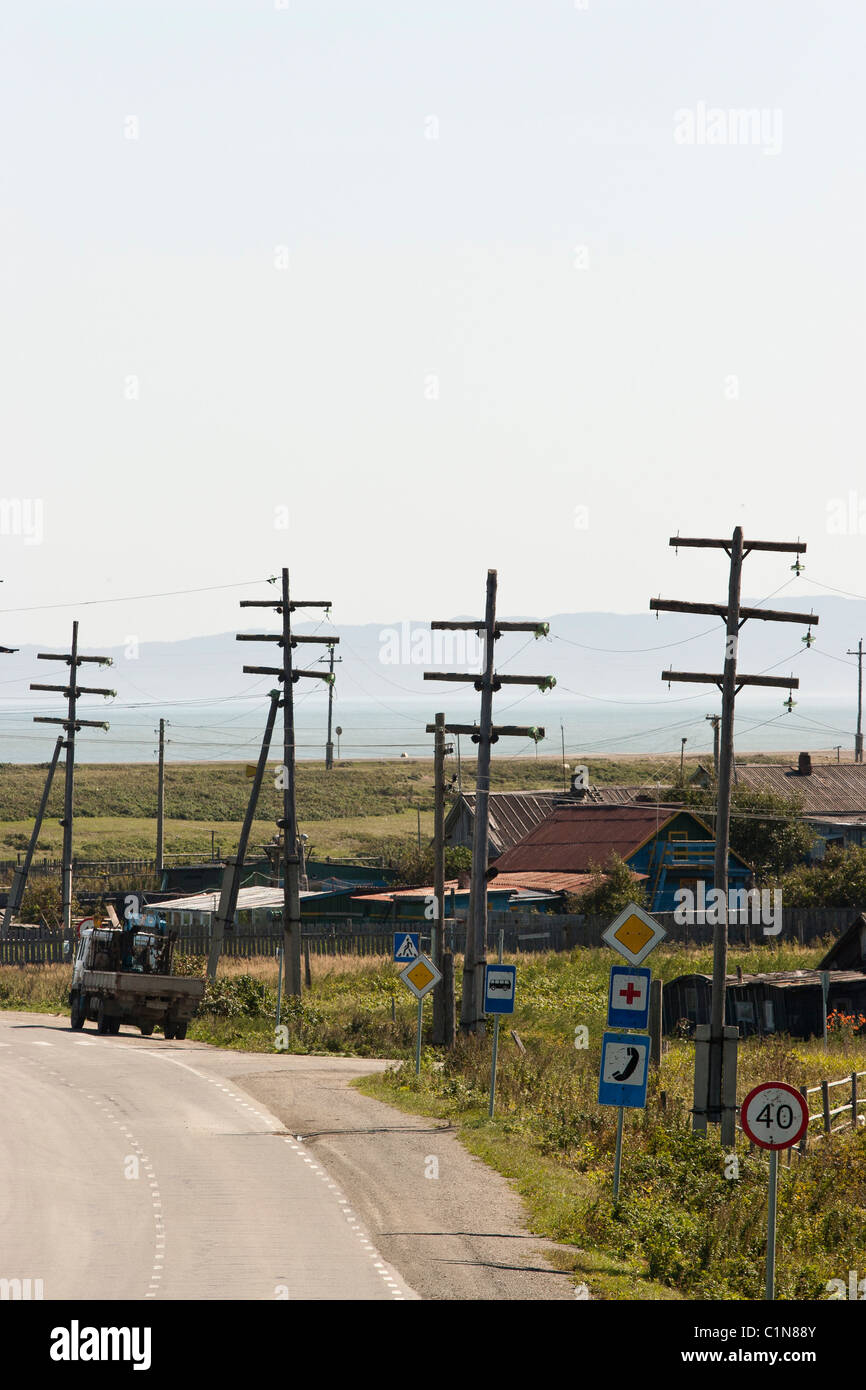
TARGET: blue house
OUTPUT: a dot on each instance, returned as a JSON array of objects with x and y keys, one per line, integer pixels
[{"x": 672, "y": 846}]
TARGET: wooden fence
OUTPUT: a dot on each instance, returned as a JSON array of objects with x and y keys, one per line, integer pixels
[
  {"x": 524, "y": 931},
  {"x": 828, "y": 1113}
]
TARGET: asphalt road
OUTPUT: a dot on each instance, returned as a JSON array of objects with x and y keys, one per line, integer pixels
[{"x": 135, "y": 1169}]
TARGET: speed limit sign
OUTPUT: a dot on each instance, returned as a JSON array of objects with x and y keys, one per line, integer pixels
[{"x": 774, "y": 1115}]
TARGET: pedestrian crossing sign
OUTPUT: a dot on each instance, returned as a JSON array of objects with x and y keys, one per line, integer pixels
[{"x": 407, "y": 945}]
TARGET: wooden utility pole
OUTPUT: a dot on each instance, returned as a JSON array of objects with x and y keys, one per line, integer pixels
[
  {"x": 19, "y": 878},
  {"x": 485, "y": 734},
  {"x": 730, "y": 683},
  {"x": 292, "y": 866},
  {"x": 223, "y": 919},
  {"x": 71, "y": 724},
  {"x": 160, "y": 800},
  {"x": 329, "y": 746},
  {"x": 443, "y": 994},
  {"x": 858, "y": 737}
]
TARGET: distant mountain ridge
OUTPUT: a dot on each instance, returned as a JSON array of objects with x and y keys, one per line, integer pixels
[{"x": 599, "y": 654}]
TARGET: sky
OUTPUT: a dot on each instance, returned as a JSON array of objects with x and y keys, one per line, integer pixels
[{"x": 395, "y": 293}]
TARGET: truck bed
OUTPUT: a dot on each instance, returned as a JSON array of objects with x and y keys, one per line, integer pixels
[{"x": 117, "y": 982}]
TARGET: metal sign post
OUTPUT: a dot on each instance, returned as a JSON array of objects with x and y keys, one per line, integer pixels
[
  {"x": 279, "y": 983},
  {"x": 500, "y": 985},
  {"x": 772, "y": 1202},
  {"x": 774, "y": 1116},
  {"x": 421, "y": 976},
  {"x": 625, "y": 1056},
  {"x": 617, "y": 1162}
]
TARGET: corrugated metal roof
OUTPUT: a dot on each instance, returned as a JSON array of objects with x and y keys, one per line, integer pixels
[
  {"x": 513, "y": 814},
  {"x": 574, "y": 838},
  {"x": 248, "y": 898},
  {"x": 545, "y": 882},
  {"x": 783, "y": 979},
  {"x": 828, "y": 788}
]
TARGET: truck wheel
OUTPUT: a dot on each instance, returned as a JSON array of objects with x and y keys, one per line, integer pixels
[
  {"x": 103, "y": 1022},
  {"x": 146, "y": 1029},
  {"x": 115, "y": 1027},
  {"x": 168, "y": 1030},
  {"x": 180, "y": 1030},
  {"x": 76, "y": 1013}
]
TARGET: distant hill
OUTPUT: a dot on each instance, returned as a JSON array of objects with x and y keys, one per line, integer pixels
[{"x": 613, "y": 654}]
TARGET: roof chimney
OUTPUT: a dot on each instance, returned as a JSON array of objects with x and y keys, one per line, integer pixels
[
  {"x": 463, "y": 878},
  {"x": 804, "y": 765}
]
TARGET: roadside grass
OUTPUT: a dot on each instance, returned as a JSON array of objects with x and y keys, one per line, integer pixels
[{"x": 685, "y": 1227}]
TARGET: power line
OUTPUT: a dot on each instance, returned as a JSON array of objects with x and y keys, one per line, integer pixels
[{"x": 132, "y": 598}]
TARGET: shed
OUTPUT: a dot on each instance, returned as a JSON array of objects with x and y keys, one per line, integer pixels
[
  {"x": 783, "y": 1001},
  {"x": 849, "y": 952}
]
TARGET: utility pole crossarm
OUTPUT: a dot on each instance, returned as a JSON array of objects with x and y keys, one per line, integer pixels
[
  {"x": 477, "y": 625},
  {"x": 64, "y": 656},
  {"x": 708, "y": 678},
  {"x": 328, "y": 641},
  {"x": 478, "y": 680},
  {"x": 787, "y": 547},
  {"x": 719, "y": 610},
  {"x": 313, "y": 675},
  {"x": 69, "y": 724}
]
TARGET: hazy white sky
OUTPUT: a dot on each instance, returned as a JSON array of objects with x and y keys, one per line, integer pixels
[{"x": 420, "y": 281}]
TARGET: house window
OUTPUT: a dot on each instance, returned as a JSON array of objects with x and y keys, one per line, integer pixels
[
  {"x": 745, "y": 1012},
  {"x": 769, "y": 1016},
  {"x": 691, "y": 1000}
]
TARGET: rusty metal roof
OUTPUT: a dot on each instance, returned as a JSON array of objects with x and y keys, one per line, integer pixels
[
  {"x": 830, "y": 788},
  {"x": 575, "y": 837},
  {"x": 545, "y": 882}
]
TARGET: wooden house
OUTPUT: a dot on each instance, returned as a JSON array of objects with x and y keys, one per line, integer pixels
[{"x": 668, "y": 845}]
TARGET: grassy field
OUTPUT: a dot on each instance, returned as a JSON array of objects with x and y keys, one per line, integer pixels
[
  {"x": 132, "y": 837},
  {"x": 683, "y": 1228},
  {"x": 347, "y": 811}
]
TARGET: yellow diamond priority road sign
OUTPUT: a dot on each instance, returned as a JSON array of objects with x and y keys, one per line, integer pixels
[
  {"x": 634, "y": 934},
  {"x": 421, "y": 976}
]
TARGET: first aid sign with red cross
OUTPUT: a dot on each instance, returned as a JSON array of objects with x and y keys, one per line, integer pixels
[{"x": 628, "y": 999}]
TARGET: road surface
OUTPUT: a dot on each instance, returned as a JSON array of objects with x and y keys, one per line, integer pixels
[{"x": 137, "y": 1168}]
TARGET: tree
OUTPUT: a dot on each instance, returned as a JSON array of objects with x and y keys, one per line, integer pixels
[
  {"x": 767, "y": 829},
  {"x": 613, "y": 889},
  {"x": 42, "y": 902},
  {"x": 415, "y": 867},
  {"x": 838, "y": 881}
]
